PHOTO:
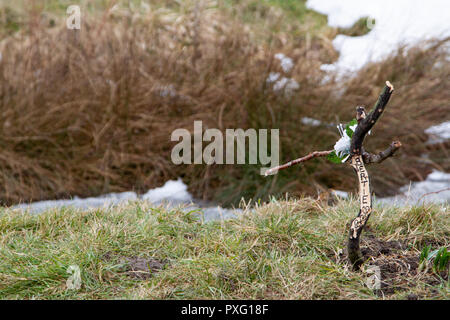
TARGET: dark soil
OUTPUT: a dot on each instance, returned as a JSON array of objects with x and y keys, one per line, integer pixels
[
  {"x": 138, "y": 267},
  {"x": 143, "y": 268},
  {"x": 398, "y": 264},
  {"x": 371, "y": 246}
]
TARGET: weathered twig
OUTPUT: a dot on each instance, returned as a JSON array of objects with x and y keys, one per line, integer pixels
[
  {"x": 366, "y": 123},
  {"x": 383, "y": 155},
  {"x": 299, "y": 160},
  {"x": 430, "y": 193}
]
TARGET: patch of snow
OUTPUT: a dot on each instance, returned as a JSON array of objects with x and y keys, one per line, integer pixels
[
  {"x": 439, "y": 133},
  {"x": 286, "y": 63},
  {"x": 289, "y": 85},
  {"x": 283, "y": 84},
  {"x": 219, "y": 213},
  {"x": 172, "y": 194},
  {"x": 168, "y": 91},
  {"x": 106, "y": 200},
  {"x": 172, "y": 190},
  {"x": 311, "y": 122},
  {"x": 400, "y": 22},
  {"x": 339, "y": 193},
  {"x": 412, "y": 194},
  {"x": 273, "y": 76},
  {"x": 328, "y": 67}
]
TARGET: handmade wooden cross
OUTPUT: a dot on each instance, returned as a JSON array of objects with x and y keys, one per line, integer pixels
[{"x": 349, "y": 149}]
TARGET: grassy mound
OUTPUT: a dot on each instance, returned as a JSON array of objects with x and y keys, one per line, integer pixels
[{"x": 280, "y": 250}]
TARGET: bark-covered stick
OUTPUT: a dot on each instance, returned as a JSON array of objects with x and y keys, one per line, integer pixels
[
  {"x": 383, "y": 155},
  {"x": 312, "y": 155},
  {"x": 366, "y": 123},
  {"x": 358, "y": 158}
]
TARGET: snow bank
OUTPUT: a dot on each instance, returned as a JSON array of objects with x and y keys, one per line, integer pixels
[
  {"x": 106, "y": 200},
  {"x": 173, "y": 193},
  {"x": 439, "y": 133},
  {"x": 414, "y": 193},
  {"x": 172, "y": 190},
  {"x": 399, "y": 22}
]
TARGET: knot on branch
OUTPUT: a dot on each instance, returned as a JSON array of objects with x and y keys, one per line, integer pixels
[{"x": 360, "y": 113}]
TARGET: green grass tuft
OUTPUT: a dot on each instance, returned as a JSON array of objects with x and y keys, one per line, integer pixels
[{"x": 279, "y": 250}]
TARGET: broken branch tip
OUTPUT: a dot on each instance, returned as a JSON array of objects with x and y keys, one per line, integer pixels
[{"x": 391, "y": 87}]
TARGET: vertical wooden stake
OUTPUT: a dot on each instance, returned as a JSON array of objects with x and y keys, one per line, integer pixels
[{"x": 365, "y": 201}]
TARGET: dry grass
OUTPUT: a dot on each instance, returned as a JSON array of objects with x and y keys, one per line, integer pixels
[{"x": 89, "y": 112}]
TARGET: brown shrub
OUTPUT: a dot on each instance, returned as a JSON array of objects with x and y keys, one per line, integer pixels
[{"x": 92, "y": 111}]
